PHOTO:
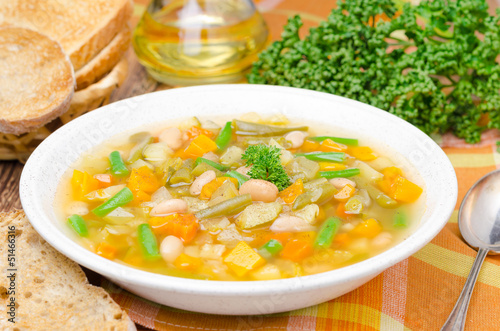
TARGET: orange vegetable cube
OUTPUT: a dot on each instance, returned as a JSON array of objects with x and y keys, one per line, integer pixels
[
  {"x": 328, "y": 166},
  {"x": 82, "y": 184},
  {"x": 297, "y": 249},
  {"x": 199, "y": 146},
  {"x": 106, "y": 250},
  {"x": 341, "y": 211},
  {"x": 369, "y": 228},
  {"x": 398, "y": 187},
  {"x": 329, "y": 145},
  {"x": 140, "y": 197},
  {"x": 183, "y": 226},
  {"x": 405, "y": 190},
  {"x": 309, "y": 146},
  {"x": 143, "y": 179},
  {"x": 363, "y": 153},
  {"x": 292, "y": 192},
  {"x": 187, "y": 262},
  {"x": 345, "y": 193},
  {"x": 243, "y": 259}
]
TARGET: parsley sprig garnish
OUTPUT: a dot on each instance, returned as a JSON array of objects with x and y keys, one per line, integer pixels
[{"x": 266, "y": 165}]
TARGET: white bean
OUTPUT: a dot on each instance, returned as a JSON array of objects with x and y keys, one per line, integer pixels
[
  {"x": 172, "y": 137},
  {"x": 201, "y": 181},
  {"x": 260, "y": 190},
  {"x": 290, "y": 224},
  {"x": 382, "y": 240},
  {"x": 243, "y": 170},
  {"x": 168, "y": 207},
  {"x": 341, "y": 182},
  {"x": 171, "y": 247},
  {"x": 296, "y": 138},
  {"x": 211, "y": 156}
]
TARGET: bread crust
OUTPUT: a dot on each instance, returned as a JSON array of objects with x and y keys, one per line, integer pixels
[
  {"x": 36, "y": 81},
  {"x": 52, "y": 292},
  {"x": 105, "y": 61},
  {"x": 82, "y": 27}
]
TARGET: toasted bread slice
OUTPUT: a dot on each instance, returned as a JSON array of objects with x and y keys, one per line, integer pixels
[
  {"x": 105, "y": 61},
  {"x": 36, "y": 80},
  {"x": 82, "y": 27},
  {"x": 51, "y": 291}
]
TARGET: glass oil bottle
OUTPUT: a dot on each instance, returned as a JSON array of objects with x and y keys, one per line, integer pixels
[{"x": 192, "y": 42}]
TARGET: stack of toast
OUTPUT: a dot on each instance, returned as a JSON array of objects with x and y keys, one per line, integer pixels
[{"x": 58, "y": 60}]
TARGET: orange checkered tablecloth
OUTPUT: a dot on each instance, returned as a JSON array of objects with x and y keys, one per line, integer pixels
[{"x": 416, "y": 294}]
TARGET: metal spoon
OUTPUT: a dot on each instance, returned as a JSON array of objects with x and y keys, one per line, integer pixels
[{"x": 479, "y": 223}]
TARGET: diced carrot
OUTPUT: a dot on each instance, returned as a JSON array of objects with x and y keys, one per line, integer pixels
[
  {"x": 200, "y": 146},
  {"x": 183, "y": 226},
  {"x": 143, "y": 179},
  {"x": 82, "y": 184},
  {"x": 195, "y": 131},
  {"x": 369, "y": 228},
  {"x": 345, "y": 193},
  {"x": 363, "y": 153},
  {"x": 106, "y": 250},
  {"x": 328, "y": 166},
  {"x": 209, "y": 188},
  {"x": 243, "y": 258},
  {"x": 297, "y": 249},
  {"x": 329, "y": 145},
  {"x": 292, "y": 192},
  {"x": 187, "y": 262},
  {"x": 341, "y": 240},
  {"x": 310, "y": 146},
  {"x": 341, "y": 211},
  {"x": 105, "y": 180}
]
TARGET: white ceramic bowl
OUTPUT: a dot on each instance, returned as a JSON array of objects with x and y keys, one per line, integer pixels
[{"x": 45, "y": 167}]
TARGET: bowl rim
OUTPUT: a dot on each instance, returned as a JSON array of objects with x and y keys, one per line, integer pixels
[{"x": 34, "y": 210}]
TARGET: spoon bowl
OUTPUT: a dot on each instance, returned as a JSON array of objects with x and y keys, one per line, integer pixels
[{"x": 479, "y": 223}]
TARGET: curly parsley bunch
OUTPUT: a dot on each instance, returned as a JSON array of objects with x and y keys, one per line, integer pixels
[{"x": 433, "y": 64}]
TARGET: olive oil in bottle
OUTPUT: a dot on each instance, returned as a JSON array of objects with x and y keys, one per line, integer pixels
[{"x": 191, "y": 42}]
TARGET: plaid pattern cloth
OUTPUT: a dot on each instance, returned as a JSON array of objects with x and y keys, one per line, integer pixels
[{"x": 416, "y": 294}]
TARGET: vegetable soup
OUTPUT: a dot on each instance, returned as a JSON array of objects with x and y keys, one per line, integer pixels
[{"x": 239, "y": 200}]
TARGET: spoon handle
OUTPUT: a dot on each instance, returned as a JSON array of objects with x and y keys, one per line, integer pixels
[{"x": 456, "y": 320}]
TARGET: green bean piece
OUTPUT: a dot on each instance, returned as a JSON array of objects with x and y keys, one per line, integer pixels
[
  {"x": 235, "y": 174},
  {"x": 271, "y": 248},
  {"x": 148, "y": 242},
  {"x": 380, "y": 197},
  {"x": 324, "y": 156},
  {"x": 203, "y": 167},
  {"x": 225, "y": 208},
  {"x": 216, "y": 165},
  {"x": 340, "y": 173},
  {"x": 328, "y": 230},
  {"x": 340, "y": 140},
  {"x": 141, "y": 139},
  {"x": 78, "y": 224},
  {"x": 118, "y": 167},
  {"x": 224, "y": 136},
  {"x": 255, "y": 129},
  {"x": 400, "y": 220},
  {"x": 119, "y": 199},
  {"x": 313, "y": 196}
]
